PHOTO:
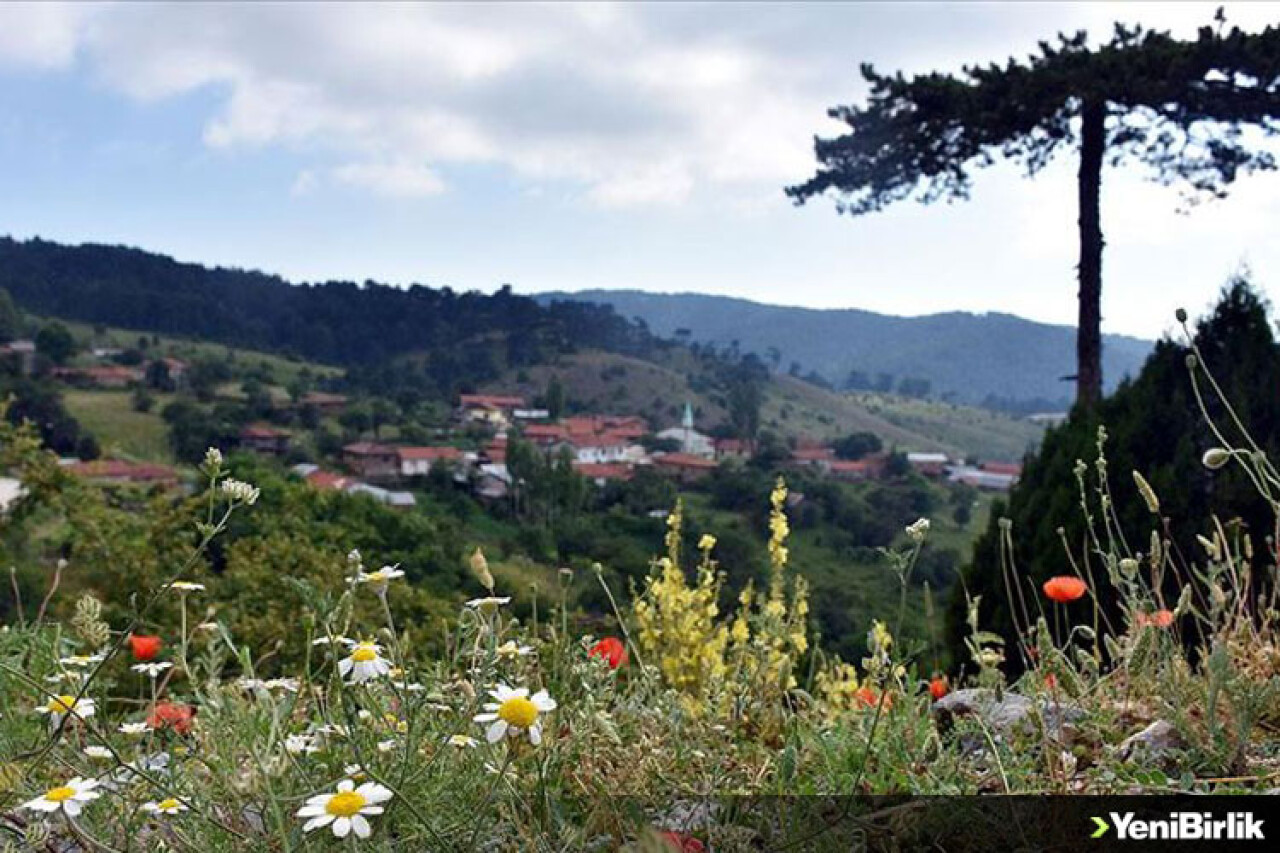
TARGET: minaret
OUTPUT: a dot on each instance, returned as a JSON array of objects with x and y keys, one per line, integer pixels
[{"x": 687, "y": 423}]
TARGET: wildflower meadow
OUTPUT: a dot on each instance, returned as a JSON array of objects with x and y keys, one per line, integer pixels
[{"x": 487, "y": 731}]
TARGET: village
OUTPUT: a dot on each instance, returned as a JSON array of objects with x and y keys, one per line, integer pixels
[{"x": 473, "y": 447}]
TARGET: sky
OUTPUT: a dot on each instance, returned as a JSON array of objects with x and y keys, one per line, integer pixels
[{"x": 574, "y": 146}]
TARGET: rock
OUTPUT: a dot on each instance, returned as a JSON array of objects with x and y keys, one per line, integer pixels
[
  {"x": 1154, "y": 742},
  {"x": 1008, "y": 713}
]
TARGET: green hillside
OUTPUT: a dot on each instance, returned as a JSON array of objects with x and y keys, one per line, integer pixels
[
  {"x": 973, "y": 358},
  {"x": 792, "y": 408}
]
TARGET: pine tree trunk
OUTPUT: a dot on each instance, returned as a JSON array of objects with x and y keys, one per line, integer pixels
[{"x": 1089, "y": 329}]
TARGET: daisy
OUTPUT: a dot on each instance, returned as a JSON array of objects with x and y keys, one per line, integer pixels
[
  {"x": 186, "y": 586},
  {"x": 325, "y": 641},
  {"x": 69, "y": 796},
  {"x": 345, "y": 810},
  {"x": 363, "y": 663},
  {"x": 59, "y": 706},
  {"x": 462, "y": 741},
  {"x": 168, "y": 806},
  {"x": 381, "y": 577},
  {"x": 513, "y": 712},
  {"x": 300, "y": 745},
  {"x": 386, "y": 745},
  {"x": 151, "y": 669},
  {"x": 509, "y": 649},
  {"x": 408, "y": 686},
  {"x": 134, "y": 728},
  {"x": 488, "y": 605},
  {"x": 100, "y": 752},
  {"x": 81, "y": 660}
]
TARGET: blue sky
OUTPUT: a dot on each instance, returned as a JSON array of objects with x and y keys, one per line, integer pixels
[{"x": 570, "y": 147}]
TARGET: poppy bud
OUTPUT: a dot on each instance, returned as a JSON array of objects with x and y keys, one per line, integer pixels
[
  {"x": 1215, "y": 458},
  {"x": 144, "y": 647}
]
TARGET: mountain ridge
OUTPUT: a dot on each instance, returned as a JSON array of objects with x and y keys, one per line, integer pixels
[{"x": 1012, "y": 362}]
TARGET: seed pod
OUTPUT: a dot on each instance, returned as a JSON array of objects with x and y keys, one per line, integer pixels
[
  {"x": 1148, "y": 494},
  {"x": 480, "y": 568}
]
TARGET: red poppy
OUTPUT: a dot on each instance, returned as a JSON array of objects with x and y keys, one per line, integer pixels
[
  {"x": 1159, "y": 619},
  {"x": 938, "y": 687},
  {"x": 868, "y": 698},
  {"x": 144, "y": 648},
  {"x": 682, "y": 843},
  {"x": 169, "y": 715},
  {"x": 1064, "y": 588},
  {"x": 611, "y": 649},
  {"x": 1051, "y": 681}
]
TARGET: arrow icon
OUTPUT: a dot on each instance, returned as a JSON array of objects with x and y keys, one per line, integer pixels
[{"x": 1102, "y": 825}]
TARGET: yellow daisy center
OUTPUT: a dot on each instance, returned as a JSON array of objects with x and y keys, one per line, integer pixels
[
  {"x": 364, "y": 654},
  {"x": 345, "y": 804},
  {"x": 519, "y": 712},
  {"x": 60, "y": 795},
  {"x": 61, "y": 704},
  {"x": 166, "y": 805}
]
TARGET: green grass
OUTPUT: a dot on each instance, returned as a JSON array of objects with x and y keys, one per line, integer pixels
[
  {"x": 121, "y": 431},
  {"x": 281, "y": 368},
  {"x": 794, "y": 407}
]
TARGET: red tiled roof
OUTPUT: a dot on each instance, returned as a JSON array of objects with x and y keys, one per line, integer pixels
[
  {"x": 429, "y": 452},
  {"x": 119, "y": 469},
  {"x": 97, "y": 373},
  {"x": 534, "y": 432},
  {"x": 598, "y": 471},
  {"x": 263, "y": 431},
  {"x": 601, "y": 439},
  {"x": 847, "y": 466},
  {"x": 1013, "y": 469},
  {"x": 369, "y": 448},
  {"x": 627, "y": 426},
  {"x": 684, "y": 460},
  {"x": 812, "y": 454},
  {"x": 323, "y": 397},
  {"x": 327, "y": 481},
  {"x": 497, "y": 401}
]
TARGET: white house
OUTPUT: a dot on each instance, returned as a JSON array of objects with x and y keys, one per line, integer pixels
[{"x": 418, "y": 461}]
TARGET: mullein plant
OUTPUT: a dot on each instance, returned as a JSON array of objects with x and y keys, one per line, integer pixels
[{"x": 371, "y": 742}]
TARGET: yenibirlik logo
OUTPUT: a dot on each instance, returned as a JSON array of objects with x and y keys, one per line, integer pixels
[{"x": 1182, "y": 826}]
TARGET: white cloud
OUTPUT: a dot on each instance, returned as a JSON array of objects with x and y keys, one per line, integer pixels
[
  {"x": 41, "y": 35},
  {"x": 636, "y": 105},
  {"x": 394, "y": 180},
  {"x": 604, "y": 97}
]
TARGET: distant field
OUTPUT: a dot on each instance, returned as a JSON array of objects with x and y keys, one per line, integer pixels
[
  {"x": 988, "y": 435},
  {"x": 121, "y": 431},
  {"x": 282, "y": 369},
  {"x": 799, "y": 408}
]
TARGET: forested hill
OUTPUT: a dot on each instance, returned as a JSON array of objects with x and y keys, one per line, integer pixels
[
  {"x": 338, "y": 322},
  {"x": 997, "y": 360}
]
